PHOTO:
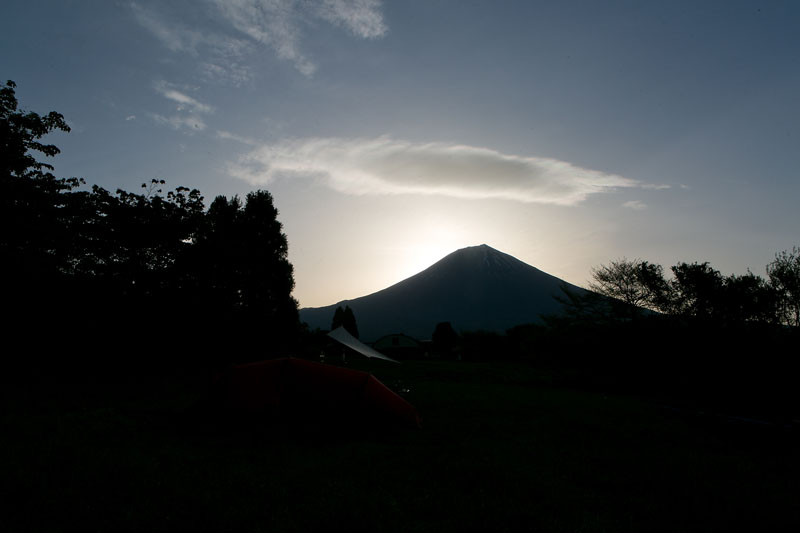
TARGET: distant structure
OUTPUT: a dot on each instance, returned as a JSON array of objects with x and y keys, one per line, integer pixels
[
  {"x": 344, "y": 337},
  {"x": 399, "y": 346}
]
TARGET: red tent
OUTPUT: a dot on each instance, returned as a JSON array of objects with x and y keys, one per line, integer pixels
[{"x": 303, "y": 391}]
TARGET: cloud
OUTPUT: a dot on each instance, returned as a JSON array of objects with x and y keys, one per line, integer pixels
[
  {"x": 175, "y": 37},
  {"x": 223, "y": 58},
  {"x": 130, "y": 117},
  {"x": 636, "y": 205},
  {"x": 222, "y": 134},
  {"x": 387, "y": 166},
  {"x": 187, "y": 122},
  {"x": 188, "y": 110},
  {"x": 270, "y": 22},
  {"x": 184, "y": 100},
  {"x": 362, "y": 18},
  {"x": 230, "y": 72},
  {"x": 276, "y": 24}
]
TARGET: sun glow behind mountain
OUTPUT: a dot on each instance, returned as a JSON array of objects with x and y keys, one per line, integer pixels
[{"x": 439, "y": 240}]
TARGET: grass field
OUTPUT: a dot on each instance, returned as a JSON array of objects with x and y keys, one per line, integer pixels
[{"x": 502, "y": 448}]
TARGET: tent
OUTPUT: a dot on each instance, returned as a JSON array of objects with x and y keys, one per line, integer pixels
[
  {"x": 343, "y": 336},
  {"x": 310, "y": 393}
]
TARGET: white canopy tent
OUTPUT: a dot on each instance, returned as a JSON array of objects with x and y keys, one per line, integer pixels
[{"x": 343, "y": 336}]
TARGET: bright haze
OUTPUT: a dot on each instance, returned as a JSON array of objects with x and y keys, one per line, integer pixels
[{"x": 566, "y": 133}]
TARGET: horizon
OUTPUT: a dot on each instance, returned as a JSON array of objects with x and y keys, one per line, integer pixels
[{"x": 392, "y": 134}]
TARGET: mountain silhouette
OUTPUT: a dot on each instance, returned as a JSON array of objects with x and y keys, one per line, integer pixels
[{"x": 474, "y": 288}]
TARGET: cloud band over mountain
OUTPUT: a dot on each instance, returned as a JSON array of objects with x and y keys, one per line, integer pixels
[{"x": 387, "y": 166}]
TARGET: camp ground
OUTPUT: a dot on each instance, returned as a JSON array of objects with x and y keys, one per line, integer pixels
[{"x": 307, "y": 393}]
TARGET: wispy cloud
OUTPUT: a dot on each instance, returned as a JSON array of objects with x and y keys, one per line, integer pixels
[
  {"x": 388, "y": 166},
  {"x": 363, "y": 18},
  {"x": 220, "y": 57},
  {"x": 272, "y": 23},
  {"x": 183, "y": 100},
  {"x": 276, "y": 24},
  {"x": 174, "y": 36},
  {"x": 190, "y": 123},
  {"x": 188, "y": 111},
  {"x": 221, "y": 134},
  {"x": 636, "y": 205}
]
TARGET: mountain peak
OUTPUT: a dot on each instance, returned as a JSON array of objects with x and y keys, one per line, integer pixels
[
  {"x": 474, "y": 288},
  {"x": 480, "y": 259},
  {"x": 479, "y": 247}
]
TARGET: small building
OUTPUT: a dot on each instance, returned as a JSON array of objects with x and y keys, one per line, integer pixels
[{"x": 399, "y": 346}]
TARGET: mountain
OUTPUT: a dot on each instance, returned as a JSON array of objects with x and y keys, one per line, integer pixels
[{"x": 475, "y": 288}]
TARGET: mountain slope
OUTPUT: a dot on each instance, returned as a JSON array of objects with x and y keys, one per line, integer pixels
[{"x": 472, "y": 288}]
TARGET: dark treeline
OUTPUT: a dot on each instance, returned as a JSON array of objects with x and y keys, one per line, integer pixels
[
  {"x": 701, "y": 292},
  {"x": 126, "y": 278},
  {"x": 699, "y": 339}
]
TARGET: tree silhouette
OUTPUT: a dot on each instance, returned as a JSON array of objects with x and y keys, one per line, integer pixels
[
  {"x": 635, "y": 283},
  {"x": 239, "y": 267},
  {"x": 697, "y": 290},
  {"x": 20, "y": 133},
  {"x": 444, "y": 339},
  {"x": 749, "y": 298},
  {"x": 36, "y": 215},
  {"x": 122, "y": 262},
  {"x": 784, "y": 276},
  {"x": 346, "y": 318},
  {"x": 33, "y": 216}
]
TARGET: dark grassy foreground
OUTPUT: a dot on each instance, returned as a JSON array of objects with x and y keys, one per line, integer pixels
[{"x": 502, "y": 448}]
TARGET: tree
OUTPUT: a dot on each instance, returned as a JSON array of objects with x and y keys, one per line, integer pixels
[
  {"x": 444, "y": 339},
  {"x": 240, "y": 268},
  {"x": 583, "y": 309},
  {"x": 122, "y": 261},
  {"x": 345, "y": 317},
  {"x": 784, "y": 277},
  {"x": 349, "y": 322},
  {"x": 338, "y": 318},
  {"x": 20, "y": 133},
  {"x": 697, "y": 290},
  {"x": 748, "y": 298},
  {"x": 637, "y": 284},
  {"x": 33, "y": 212}
]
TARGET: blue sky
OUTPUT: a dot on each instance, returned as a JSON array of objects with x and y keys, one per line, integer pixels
[{"x": 566, "y": 133}]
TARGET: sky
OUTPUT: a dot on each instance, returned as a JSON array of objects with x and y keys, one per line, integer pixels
[{"x": 391, "y": 133}]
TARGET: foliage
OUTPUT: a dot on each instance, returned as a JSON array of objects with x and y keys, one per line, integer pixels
[
  {"x": 444, "y": 339},
  {"x": 696, "y": 291},
  {"x": 784, "y": 275},
  {"x": 124, "y": 261},
  {"x": 749, "y": 298},
  {"x": 20, "y": 133},
  {"x": 34, "y": 213},
  {"x": 345, "y": 317},
  {"x": 239, "y": 266},
  {"x": 637, "y": 284},
  {"x": 584, "y": 308}
]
